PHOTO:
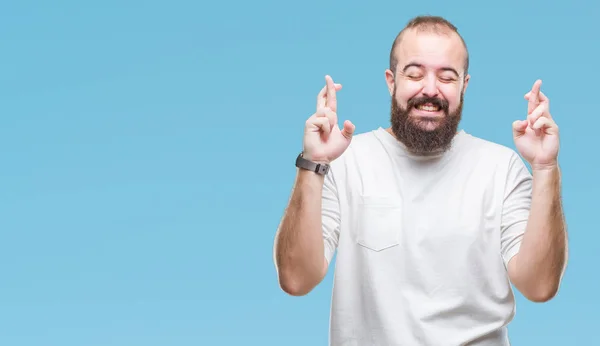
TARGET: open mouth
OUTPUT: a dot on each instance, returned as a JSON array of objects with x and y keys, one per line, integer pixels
[{"x": 428, "y": 107}]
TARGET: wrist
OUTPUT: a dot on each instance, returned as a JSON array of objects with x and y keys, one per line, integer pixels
[
  {"x": 321, "y": 161},
  {"x": 307, "y": 174},
  {"x": 312, "y": 165},
  {"x": 545, "y": 168},
  {"x": 546, "y": 173}
]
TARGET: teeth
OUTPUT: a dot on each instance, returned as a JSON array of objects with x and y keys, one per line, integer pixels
[{"x": 428, "y": 108}]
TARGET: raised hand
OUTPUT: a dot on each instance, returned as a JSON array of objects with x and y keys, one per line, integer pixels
[
  {"x": 324, "y": 141},
  {"x": 537, "y": 138}
]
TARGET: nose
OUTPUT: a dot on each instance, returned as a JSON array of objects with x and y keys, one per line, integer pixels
[{"x": 430, "y": 87}]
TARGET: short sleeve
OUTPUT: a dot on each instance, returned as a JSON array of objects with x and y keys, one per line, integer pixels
[
  {"x": 515, "y": 208},
  {"x": 330, "y": 211}
]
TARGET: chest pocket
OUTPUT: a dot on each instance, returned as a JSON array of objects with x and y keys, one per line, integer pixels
[{"x": 378, "y": 222}]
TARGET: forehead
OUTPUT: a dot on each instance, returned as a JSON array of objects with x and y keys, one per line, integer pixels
[{"x": 431, "y": 49}]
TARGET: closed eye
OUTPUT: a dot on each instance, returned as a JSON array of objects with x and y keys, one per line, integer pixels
[{"x": 447, "y": 79}]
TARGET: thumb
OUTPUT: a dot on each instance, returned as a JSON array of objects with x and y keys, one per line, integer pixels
[
  {"x": 519, "y": 127},
  {"x": 348, "y": 130}
]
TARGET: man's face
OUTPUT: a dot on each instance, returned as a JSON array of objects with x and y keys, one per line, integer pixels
[{"x": 427, "y": 90}]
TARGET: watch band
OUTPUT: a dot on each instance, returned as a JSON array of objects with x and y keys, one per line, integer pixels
[{"x": 319, "y": 168}]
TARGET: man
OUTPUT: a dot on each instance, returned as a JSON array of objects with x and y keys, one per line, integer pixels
[{"x": 431, "y": 224}]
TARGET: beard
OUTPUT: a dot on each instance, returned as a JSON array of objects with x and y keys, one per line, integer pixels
[{"x": 414, "y": 132}]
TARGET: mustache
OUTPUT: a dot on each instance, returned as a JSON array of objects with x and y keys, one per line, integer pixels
[{"x": 418, "y": 101}]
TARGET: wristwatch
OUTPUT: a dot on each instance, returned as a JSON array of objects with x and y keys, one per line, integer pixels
[{"x": 319, "y": 168}]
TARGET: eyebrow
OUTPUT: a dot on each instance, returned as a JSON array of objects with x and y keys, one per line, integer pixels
[{"x": 414, "y": 64}]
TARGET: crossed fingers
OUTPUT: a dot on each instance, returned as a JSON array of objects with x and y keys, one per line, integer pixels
[{"x": 538, "y": 110}]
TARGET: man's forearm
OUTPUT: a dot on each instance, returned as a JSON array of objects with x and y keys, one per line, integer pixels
[
  {"x": 539, "y": 265},
  {"x": 299, "y": 248}
]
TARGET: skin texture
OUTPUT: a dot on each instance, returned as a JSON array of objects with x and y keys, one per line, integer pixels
[{"x": 430, "y": 66}]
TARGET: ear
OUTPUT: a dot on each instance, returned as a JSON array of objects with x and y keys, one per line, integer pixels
[
  {"x": 467, "y": 78},
  {"x": 389, "y": 80}
]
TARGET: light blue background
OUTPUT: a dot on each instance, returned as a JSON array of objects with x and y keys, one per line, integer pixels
[{"x": 147, "y": 150}]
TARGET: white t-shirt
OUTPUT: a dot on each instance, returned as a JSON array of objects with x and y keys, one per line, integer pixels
[{"x": 423, "y": 243}]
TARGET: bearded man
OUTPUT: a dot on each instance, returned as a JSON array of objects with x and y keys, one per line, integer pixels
[{"x": 431, "y": 224}]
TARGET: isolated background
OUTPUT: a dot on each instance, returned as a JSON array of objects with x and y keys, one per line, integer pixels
[{"x": 147, "y": 153}]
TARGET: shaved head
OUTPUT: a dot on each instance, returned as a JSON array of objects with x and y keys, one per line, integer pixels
[{"x": 427, "y": 24}]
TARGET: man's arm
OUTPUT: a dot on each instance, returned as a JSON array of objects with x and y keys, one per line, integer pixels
[
  {"x": 537, "y": 269},
  {"x": 307, "y": 234}
]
